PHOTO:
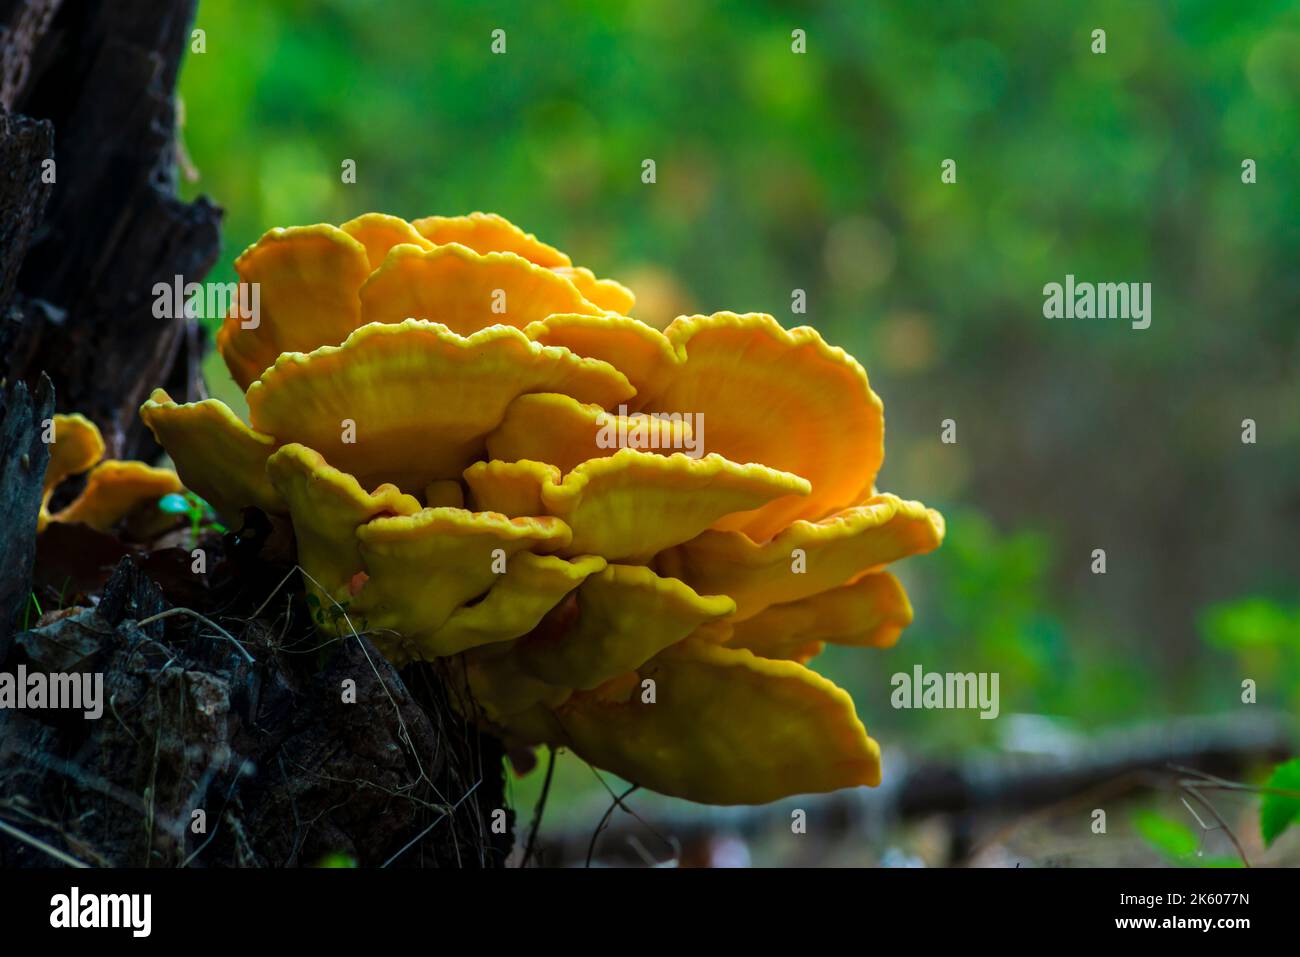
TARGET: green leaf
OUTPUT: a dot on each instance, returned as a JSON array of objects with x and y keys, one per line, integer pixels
[
  {"x": 1251, "y": 623},
  {"x": 1277, "y": 812},
  {"x": 1165, "y": 834}
]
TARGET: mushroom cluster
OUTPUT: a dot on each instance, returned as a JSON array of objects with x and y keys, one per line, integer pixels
[
  {"x": 430, "y": 405},
  {"x": 114, "y": 488}
]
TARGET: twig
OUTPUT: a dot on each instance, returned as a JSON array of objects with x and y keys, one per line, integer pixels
[
  {"x": 1201, "y": 799},
  {"x": 415, "y": 840},
  {"x": 537, "y": 811},
  {"x": 617, "y": 802},
  {"x": 203, "y": 618},
  {"x": 273, "y": 593},
  {"x": 1210, "y": 782},
  {"x": 36, "y": 842}
]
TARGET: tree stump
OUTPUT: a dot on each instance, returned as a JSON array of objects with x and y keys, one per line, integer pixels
[
  {"x": 236, "y": 736},
  {"x": 98, "y": 79}
]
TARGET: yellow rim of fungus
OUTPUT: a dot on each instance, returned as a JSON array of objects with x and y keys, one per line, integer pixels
[
  {"x": 490, "y": 233},
  {"x": 307, "y": 278},
  {"x": 557, "y": 429},
  {"x": 466, "y": 291},
  {"x": 422, "y": 567},
  {"x": 626, "y": 615},
  {"x": 870, "y": 612},
  {"x": 328, "y": 506},
  {"x": 639, "y": 351},
  {"x": 724, "y": 727},
  {"x": 114, "y": 489},
  {"x": 413, "y": 402},
  {"x": 530, "y": 588},
  {"x": 609, "y": 294},
  {"x": 631, "y": 505},
  {"x": 780, "y": 397},
  {"x": 215, "y": 453},
  {"x": 77, "y": 446},
  {"x": 380, "y": 232},
  {"x": 806, "y": 558}
]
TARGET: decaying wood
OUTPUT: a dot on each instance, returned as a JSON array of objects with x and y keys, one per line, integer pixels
[
  {"x": 22, "y": 24},
  {"x": 293, "y": 748},
  {"x": 102, "y": 73},
  {"x": 22, "y": 466},
  {"x": 24, "y": 144},
  {"x": 257, "y": 750}
]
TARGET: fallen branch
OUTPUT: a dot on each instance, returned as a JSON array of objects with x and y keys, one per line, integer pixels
[{"x": 983, "y": 783}]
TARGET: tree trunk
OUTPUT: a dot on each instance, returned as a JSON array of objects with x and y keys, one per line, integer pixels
[
  {"x": 230, "y": 737},
  {"x": 76, "y": 285}
]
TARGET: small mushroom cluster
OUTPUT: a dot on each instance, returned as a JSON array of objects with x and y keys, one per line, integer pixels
[
  {"x": 114, "y": 488},
  {"x": 426, "y": 403}
]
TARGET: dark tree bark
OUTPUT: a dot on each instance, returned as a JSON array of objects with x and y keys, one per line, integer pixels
[
  {"x": 22, "y": 465},
  {"x": 237, "y": 752},
  {"x": 102, "y": 74},
  {"x": 243, "y": 720}
]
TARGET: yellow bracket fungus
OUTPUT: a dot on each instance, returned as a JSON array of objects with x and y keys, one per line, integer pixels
[
  {"x": 430, "y": 406},
  {"x": 114, "y": 489}
]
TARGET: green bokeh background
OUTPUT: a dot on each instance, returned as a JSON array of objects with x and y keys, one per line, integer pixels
[{"x": 778, "y": 171}]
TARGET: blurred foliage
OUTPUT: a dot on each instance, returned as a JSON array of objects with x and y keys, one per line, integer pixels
[
  {"x": 1177, "y": 841},
  {"x": 821, "y": 172},
  {"x": 1165, "y": 834},
  {"x": 1277, "y": 812},
  {"x": 1263, "y": 636}
]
